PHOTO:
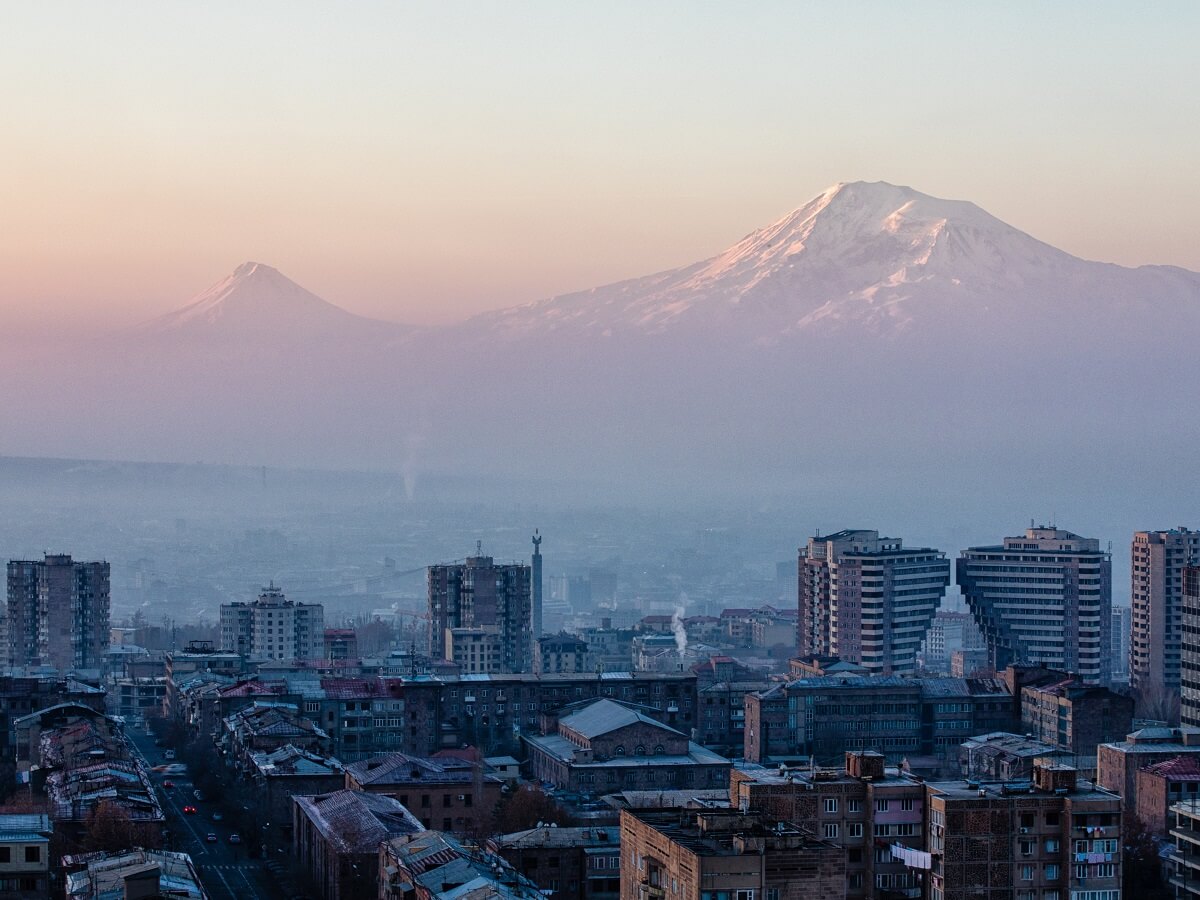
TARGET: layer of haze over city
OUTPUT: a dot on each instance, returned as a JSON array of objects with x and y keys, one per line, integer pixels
[{"x": 420, "y": 239}]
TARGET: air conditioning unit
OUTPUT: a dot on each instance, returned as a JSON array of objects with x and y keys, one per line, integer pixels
[
  {"x": 462, "y": 796},
  {"x": 1024, "y": 831}
]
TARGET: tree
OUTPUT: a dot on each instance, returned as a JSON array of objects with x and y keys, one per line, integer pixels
[
  {"x": 525, "y": 808},
  {"x": 1159, "y": 702},
  {"x": 109, "y": 828},
  {"x": 1141, "y": 867}
]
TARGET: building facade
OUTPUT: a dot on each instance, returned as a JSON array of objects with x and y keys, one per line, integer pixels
[
  {"x": 1189, "y": 650},
  {"x": 1042, "y": 598},
  {"x": 494, "y": 599},
  {"x": 868, "y": 600},
  {"x": 273, "y": 627},
  {"x": 1157, "y": 560},
  {"x": 725, "y": 854},
  {"x": 58, "y": 613}
]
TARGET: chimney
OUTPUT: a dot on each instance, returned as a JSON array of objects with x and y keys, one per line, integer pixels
[{"x": 1053, "y": 778}]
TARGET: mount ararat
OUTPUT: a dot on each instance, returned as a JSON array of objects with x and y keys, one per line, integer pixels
[{"x": 875, "y": 335}]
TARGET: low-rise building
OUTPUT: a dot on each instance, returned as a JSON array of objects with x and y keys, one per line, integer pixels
[
  {"x": 25, "y": 856},
  {"x": 280, "y": 775},
  {"x": 129, "y": 874},
  {"x": 266, "y": 727},
  {"x": 1158, "y": 786},
  {"x": 717, "y": 854},
  {"x": 446, "y": 793},
  {"x": 1067, "y": 841},
  {"x": 606, "y": 746},
  {"x": 431, "y": 865},
  {"x": 862, "y": 807},
  {"x": 1002, "y": 756},
  {"x": 1117, "y": 763},
  {"x": 560, "y": 653},
  {"x": 573, "y": 863},
  {"x": 336, "y": 838},
  {"x": 1075, "y": 717}
]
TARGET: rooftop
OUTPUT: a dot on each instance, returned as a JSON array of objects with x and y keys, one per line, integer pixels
[
  {"x": 605, "y": 716},
  {"x": 727, "y": 832},
  {"x": 101, "y": 876},
  {"x": 400, "y": 768},
  {"x": 356, "y": 822},
  {"x": 553, "y": 836}
]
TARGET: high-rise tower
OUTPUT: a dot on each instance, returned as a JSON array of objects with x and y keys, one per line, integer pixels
[
  {"x": 1042, "y": 598},
  {"x": 274, "y": 627},
  {"x": 869, "y": 599},
  {"x": 58, "y": 613},
  {"x": 481, "y": 616},
  {"x": 1157, "y": 560}
]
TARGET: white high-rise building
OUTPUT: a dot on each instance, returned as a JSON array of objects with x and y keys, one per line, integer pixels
[
  {"x": 1042, "y": 598},
  {"x": 274, "y": 627},
  {"x": 868, "y": 599},
  {"x": 1157, "y": 561}
]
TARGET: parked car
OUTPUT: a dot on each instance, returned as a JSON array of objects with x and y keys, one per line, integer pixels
[
  {"x": 168, "y": 754},
  {"x": 235, "y": 839}
]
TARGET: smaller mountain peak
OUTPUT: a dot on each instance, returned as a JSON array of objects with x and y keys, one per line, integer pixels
[{"x": 247, "y": 269}]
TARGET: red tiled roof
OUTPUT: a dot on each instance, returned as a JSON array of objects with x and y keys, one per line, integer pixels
[{"x": 1181, "y": 768}]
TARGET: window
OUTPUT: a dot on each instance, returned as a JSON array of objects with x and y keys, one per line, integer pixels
[
  {"x": 1104, "y": 870},
  {"x": 1052, "y": 871},
  {"x": 619, "y": 751},
  {"x": 882, "y": 805},
  {"x": 854, "y": 829},
  {"x": 831, "y": 804},
  {"x": 854, "y": 806},
  {"x": 1027, "y": 872},
  {"x": 906, "y": 804},
  {"x": 1081, "y": 871},
  {"x": 445, "y": 799},
  {"x": 5, "y": 854},
  {"x": 1052, "y": 845},
  {"x": 744, "y": 895},
  {"x": 831, "y": 830},
  {"x": 772, "y": 893}
]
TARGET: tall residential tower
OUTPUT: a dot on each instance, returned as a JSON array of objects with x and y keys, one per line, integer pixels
[
  {"x": 58, "y": 613},
  {"x": 481, "y": 615},
  {"x": 1042, "y": 598},
  {"x": 1157, "y": 560},
  {"x": 274, "y": 627},
  {"x": 868, "y": 599}
]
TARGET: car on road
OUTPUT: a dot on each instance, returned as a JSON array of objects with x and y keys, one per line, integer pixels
[
  {"x": 199, "y": 795},
  {"x": 217, "y": 817},
  {"x": 176, "y": 769},
  {"x": 210, "y": 838},
  {"x": 235, "y": 839},
  {"x": 168, "y": 783},
  {"x": 190, "y": 810}
]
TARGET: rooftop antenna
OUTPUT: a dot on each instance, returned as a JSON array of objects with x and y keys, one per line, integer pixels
[{"x": 479, "y": 548}]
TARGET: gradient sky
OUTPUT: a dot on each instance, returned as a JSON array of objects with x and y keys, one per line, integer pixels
[{"x": 421, "y": 162}]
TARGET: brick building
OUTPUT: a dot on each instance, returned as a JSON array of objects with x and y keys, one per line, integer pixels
[
  {"x": 1117, "y": 763},
  {"x": 431, "y": 865},
  {"x": 574, "y": 863},
  {"x": 448, "y": 794},
  {"x": 725, "y": 854},
  {"x": 823, "y": 716},
  {"x": 1159, "y": 785},
  {"x": 1075, "y": 717},
  {"x": 606, "y": 746},
  {"x": 336, "y": 838},
  {"x": 860, "y": 807},
  {"x": 285, "y": 773},
  {"x": 1067, "y": 839}
]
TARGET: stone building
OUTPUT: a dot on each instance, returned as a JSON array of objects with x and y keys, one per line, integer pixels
[
  {"x": 862, "y": 807},
  {"x": 1075, "y": 717},
  {"x": 725, "y": 853},
  {"x": 336, "y": 838},
  {"x": 448, "y": 794},
  {"x": 1067, "y": 840},
  {"x": 573, "y": 863},
  {"x": 606, "y": 746}
]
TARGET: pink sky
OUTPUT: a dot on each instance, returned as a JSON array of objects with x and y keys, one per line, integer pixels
[{"x": 425, "y": 162}]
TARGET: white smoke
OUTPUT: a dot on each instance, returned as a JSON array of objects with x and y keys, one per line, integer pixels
[{"x": 679, "y": 631}]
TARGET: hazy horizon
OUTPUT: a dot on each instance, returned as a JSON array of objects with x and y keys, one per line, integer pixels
[{"x": 424, "y": 163}]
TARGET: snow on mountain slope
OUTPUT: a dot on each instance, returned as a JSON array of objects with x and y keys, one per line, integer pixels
[
  {"x": 259, "y": 302},
  {"x": 868, "y": 255}
]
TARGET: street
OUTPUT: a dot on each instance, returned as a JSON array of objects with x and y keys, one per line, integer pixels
[{"x": 225, "y": 868}]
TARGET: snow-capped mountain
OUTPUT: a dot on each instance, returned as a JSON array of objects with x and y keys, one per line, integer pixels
[
  {"x": 259, "y": 302},
  {"x": 863, "y": 255},
  {"x": 873, "y": 333}
]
